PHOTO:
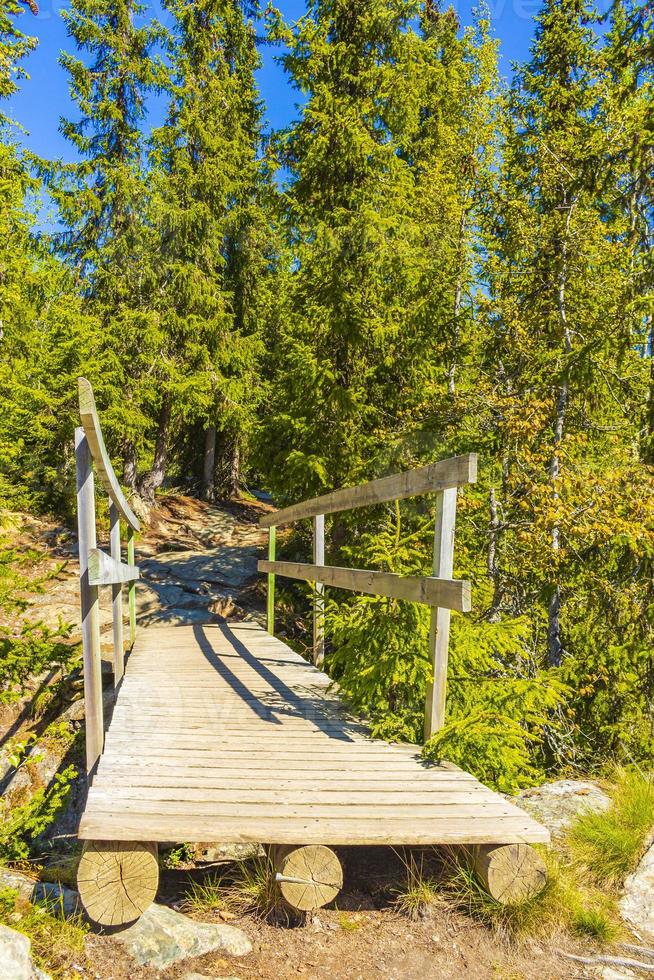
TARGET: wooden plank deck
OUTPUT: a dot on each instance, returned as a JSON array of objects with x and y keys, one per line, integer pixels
[{"x": 222, "y": 733}]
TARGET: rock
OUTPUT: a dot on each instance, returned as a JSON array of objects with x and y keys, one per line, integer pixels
[
  {"x": 58, "y": 898},
  {"x": 557, "y": 804},
  {"x": 54, "y": 894},
  {"x": 18, "y": 883},
  {"x": 637, "y": 902},
  {"x": 16, "y": 958},
  {"x": 216, "y": 853},
  {"x": 162, "y": 937}
]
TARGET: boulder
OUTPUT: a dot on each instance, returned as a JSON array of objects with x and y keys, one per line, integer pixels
[
  {"x": 557, "y": 804},
  {"x": 162, "y": 937},
  {"x": 56, "y": 896},
  {"x": 16, "y": 957},
  {"x": 637, "y": 902}
]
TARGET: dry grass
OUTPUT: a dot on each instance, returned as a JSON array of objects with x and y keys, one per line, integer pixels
[{"x": 208, "y": 895}]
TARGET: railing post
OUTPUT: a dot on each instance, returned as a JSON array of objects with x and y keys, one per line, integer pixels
[
  {"x": 116, "y": 596},
  {"x": 319, "y": 594},
  {"x": 272, "y": 539},
  {"x": 439, "y": 626},
  {"x": 89, "y": 603},
  {"x": 132, "y": 588}
]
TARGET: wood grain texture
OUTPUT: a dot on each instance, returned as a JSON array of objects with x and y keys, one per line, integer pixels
[
  {"x": 455, "y": 472},
  {"x": 116, "y": 596},
  {"x": 309, "y": 876},
  {"x": 510, "y": 873},
  {"x": 224, "y": 733},
  {"x": 104, "y": 570},
  {"x": 446, "y": 593},
  {"x": 90, "y": 609},
  {"x": 103, "y": 467},
  {"x": 117, "y": 881}
]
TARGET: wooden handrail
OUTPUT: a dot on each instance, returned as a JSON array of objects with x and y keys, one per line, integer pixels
[
  {"x": 439, "y": 590},
  {"x": 104, "y": 469},
  {"x": 98, "y": 568},
  {"x": 446, "y": 593},
  {"x": 433, "y": 477}
]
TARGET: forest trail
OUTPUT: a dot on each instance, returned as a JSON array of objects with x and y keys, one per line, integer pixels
[{"x": 197, "y": 562}]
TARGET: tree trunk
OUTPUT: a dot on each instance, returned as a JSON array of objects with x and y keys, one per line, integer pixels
[
  {"x": 209, "y": 466},
  {"x": 554, "y": 644},
  {"x": 493, "y": 571},
  {"x": 129, "y": 464},
  {"x": 234, "y": 478},
  {"x": 153, "y": 479},
  {"x": 458, "y": 292}
]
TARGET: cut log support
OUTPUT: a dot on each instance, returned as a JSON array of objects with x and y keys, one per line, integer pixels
[
  {"x": 510, "y": 873},
  {"x": 117, "y": 880},
  {"x": 309, "y": 876}
]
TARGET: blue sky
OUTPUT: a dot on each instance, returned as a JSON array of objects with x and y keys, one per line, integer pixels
[{"x": 43, "y": 99}]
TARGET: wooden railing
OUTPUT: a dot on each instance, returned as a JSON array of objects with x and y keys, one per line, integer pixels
[
  {"x": 97, "y": 568},
  {"x": 438, "y": 590}
]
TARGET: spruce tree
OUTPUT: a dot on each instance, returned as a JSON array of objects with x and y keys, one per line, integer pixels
[
  {"x": 344, "y": 338},
  {"x": 564, "y": 378},
  {"x": 42, "y": 331},
  {"x": 209, "y": 208},
  {"x": 103, "y": 206}
]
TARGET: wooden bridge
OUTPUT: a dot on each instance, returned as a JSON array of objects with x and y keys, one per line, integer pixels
[{"x": 221, "y": 732}]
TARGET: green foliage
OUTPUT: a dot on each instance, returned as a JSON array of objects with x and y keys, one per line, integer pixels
[
  {"x": 21, "y": 824},
  {"x": 57, "y": 943},
  {"x": 500, "y": 709},
  {"x": 566, "y": 903},
  {"x": 175, "y": 857},
  {"x": 612, "y": 842},
  {"x": 380, "y": 656}
]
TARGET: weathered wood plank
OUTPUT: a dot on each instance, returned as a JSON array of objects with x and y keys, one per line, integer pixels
[
  {"x": 104, "y": 570},
  {"x": 90, "y": 609},
  {"x": 445, "y": 473},
  {"x": 319, "y": 593},
  {"x": 448, "y": 594},
  {"x": 116, "y": 596},
  {"x": 239, "y": 740},
  {"x": 117, "y": 825},
  {"x": 104, "y": 469},
  {"x": 439, "y": 626}
]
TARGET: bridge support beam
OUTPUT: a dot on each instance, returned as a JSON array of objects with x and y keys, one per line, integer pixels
[
  {"x": 510, "y": 873},
  {"x": 309, "y": 876}
]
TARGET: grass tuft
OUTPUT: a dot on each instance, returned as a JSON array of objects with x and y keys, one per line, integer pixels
[
  {"x": 612, "y": 842},
  {"x": 568, "y": 903},
  {"x": 420, "y": 892},
  {"x": 57, "y": 943},
  {"x": 206, "y": 896},
  {"x": 254, "y": 891}
]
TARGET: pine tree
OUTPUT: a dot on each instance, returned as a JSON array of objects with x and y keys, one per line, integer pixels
[{"x": 209, "y": 206}]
